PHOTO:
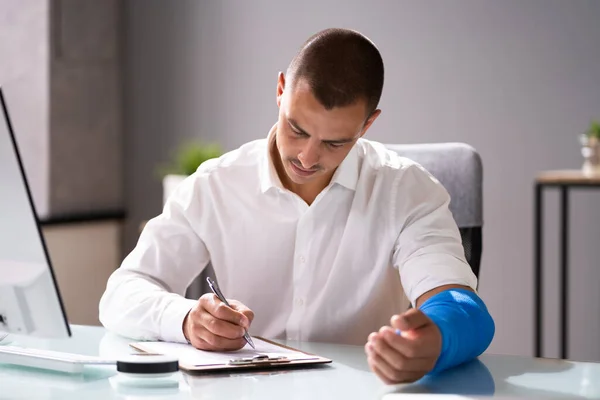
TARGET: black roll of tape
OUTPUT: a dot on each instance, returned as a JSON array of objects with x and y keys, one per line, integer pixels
[{"x": 148, "y": 364}]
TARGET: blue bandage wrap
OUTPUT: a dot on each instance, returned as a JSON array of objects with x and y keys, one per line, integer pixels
[{"x": 466, "y": 326}]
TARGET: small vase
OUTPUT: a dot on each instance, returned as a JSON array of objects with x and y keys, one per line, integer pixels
[{"x": 590, "y": 151}]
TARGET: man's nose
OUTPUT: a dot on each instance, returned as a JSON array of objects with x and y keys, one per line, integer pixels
[{"x": 309, "y": 156}]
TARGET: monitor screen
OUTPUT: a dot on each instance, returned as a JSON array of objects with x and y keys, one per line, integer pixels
[{"x": 30, "y": 302}]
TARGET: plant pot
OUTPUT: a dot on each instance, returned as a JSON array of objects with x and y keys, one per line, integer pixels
[
  {"x": 170, "y": 183},
  {"x": 590, "y": 151}
]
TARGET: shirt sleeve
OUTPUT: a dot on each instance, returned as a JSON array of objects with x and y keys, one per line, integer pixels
[
  {"x": 144, "y": 298},
  {"x": 428, "y": 251}
]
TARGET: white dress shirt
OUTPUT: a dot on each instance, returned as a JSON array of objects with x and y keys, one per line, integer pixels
[{"x": 375, "y": 239}]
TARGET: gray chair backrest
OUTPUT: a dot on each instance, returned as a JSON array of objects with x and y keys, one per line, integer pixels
[{"x": 459, "y": 169}]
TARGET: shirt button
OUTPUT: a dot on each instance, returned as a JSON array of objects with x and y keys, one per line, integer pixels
[
  {"x": 299, "y": 302},
  {"x": 302, "y": 259}
]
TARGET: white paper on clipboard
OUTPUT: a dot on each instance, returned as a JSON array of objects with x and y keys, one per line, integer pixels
[{"x": 189, "y": 355}]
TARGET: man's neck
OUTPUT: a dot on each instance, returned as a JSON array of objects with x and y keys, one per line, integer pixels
[{"x": 308, "y": 193}]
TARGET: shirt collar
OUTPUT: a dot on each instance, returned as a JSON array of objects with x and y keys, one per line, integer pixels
[
  {"x": 268, "y": 175},
  {"x": 345, "y": 175}
]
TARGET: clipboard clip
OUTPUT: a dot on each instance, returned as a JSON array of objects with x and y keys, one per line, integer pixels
[{"x": 258, "y": 360}]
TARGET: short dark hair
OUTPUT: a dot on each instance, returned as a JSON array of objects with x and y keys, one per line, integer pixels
[{"x": 341, "y": 66}]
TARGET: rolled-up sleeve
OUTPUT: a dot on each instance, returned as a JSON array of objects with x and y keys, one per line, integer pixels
[
  {"x": 144, "y": 298},
  {"x": 428, "y": 251}
]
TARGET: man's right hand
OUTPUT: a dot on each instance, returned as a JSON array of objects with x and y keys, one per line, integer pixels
[{"x": 211, "y": 325}]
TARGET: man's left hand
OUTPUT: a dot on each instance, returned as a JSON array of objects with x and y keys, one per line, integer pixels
[{"x": 406, "y": 357}]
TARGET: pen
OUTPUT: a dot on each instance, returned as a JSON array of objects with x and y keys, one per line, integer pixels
[{"x": 215, "y": 289}]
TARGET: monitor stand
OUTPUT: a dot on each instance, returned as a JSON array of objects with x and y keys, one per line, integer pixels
[
  {"x": 11, "y": 353},
  {"x": 4, "y": 337}
]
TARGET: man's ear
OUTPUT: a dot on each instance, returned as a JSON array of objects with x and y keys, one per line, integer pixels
[
  {"x": 370, "y": 121},
  {"x": 280, "y": 87}
]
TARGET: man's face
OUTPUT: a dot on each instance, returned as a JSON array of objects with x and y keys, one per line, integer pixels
[{"x": 312, "y": 141}]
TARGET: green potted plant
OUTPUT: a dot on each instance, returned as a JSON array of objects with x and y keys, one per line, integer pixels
[
  {"x": 590, "y": 141},
  {"x": 185, "y": 161}
]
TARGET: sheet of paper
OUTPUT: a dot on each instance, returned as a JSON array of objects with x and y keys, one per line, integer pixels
[{"x": 189, "y": 355}]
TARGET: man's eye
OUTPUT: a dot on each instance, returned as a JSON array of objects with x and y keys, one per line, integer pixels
[
  {"x": 335, "y": 145},
  {"x": 298, "y": 133}
]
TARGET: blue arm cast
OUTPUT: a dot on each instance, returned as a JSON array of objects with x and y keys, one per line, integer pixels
[{"x": 466, "y": 326}]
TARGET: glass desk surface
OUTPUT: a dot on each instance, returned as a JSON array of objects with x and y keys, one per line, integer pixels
[{"x": 348, "y": 377}]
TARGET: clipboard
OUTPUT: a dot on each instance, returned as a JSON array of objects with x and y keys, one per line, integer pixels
[{"x": 282, "y": 357}]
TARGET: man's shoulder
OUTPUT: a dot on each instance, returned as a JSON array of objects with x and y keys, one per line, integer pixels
[{"x": 378, "y": 159}]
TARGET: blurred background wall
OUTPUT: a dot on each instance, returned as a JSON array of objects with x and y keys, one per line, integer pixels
[{"x": 60, "y": 69}]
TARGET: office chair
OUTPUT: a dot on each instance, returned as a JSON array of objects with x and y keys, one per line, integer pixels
[{"x": 459, "y": 169}]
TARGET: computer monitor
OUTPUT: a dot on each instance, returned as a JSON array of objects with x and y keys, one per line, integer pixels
[{"x": 30, "y": 301}]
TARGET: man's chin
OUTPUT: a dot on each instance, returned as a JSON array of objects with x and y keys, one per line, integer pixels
[
  {"x": 299, "y": 178},
  {"x": 301, "y": 181}
]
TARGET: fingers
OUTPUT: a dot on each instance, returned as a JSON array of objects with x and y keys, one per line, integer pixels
[
  {"x": 410, "y": 320},
  {"x": 380, "y": 374},
  {"x": 241, "y": 308},
  {"x": 221, "y": 328},
  {"x": 205, "y": 340},
  {"x": 200, "y": 336},
  {"x": 212, "y": 325},
  {"x": 423, "y": 344},
  {"x": 219, "y": 343},
  {"x": 398, "y": 360},
  {"x": 220, "y": 310},
  {"x": 389, "y": 374},
  {"x": 403, "y": 358}
]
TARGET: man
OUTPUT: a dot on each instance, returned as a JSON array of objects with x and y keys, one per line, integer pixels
[{"x": 318, "y": 235}]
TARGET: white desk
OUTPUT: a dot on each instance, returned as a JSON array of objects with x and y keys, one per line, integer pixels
[{"x": 348, "y": 377}]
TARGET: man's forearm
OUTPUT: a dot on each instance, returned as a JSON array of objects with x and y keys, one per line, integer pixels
[
  {"x": 466, "y": 326},
  {"x": 136, "y": 307}
]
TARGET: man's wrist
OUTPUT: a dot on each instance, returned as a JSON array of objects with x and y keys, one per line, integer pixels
[
  {"x": 184, "y": 327},
  {"x": 172, "y": 319}
]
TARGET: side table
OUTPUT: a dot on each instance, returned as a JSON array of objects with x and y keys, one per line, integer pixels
[{"x": 563, "y": 180}]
